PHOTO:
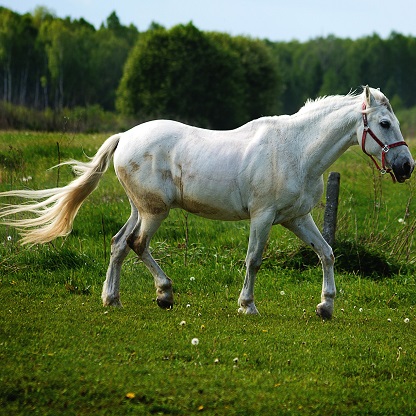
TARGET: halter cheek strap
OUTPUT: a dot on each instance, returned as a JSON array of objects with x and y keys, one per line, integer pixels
[{"x": 384, "y": 147}]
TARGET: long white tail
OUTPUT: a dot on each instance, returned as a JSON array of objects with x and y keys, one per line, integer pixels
[{"x": 55, "y": 214}]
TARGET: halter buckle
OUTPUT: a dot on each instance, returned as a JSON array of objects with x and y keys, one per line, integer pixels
[
  {"x": 383, "y": 171},
  {"x": 385, "y": 148}
]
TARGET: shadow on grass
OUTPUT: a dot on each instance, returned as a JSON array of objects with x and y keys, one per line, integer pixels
[
  {"x": 350, "y": 257},
  {"x": 66, "y": 259},
  {"x": 45, "y": 259}
]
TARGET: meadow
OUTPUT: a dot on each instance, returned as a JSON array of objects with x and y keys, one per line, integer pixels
[{"x": 61, "y": 352}]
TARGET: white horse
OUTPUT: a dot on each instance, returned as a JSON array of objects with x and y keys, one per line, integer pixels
[{"x": 268, "y": 171}]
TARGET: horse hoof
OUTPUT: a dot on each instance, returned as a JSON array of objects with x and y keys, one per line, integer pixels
[
  {"x": 164, "y": 304},
  {"x": 248, "y": 310},
  {"x": 323, "y": 312},
  {"x": 113, "y": 302}
]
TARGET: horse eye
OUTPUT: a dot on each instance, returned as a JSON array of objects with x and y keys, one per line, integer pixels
[{"x": 385, "y": 124}]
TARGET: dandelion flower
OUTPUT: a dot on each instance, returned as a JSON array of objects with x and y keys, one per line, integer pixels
[
  {"x": 130, "y": 395},
  {"x": 195, "y": 341}
]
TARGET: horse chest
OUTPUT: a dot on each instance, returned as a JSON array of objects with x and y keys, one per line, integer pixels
[{"x": 298, "y": 199}]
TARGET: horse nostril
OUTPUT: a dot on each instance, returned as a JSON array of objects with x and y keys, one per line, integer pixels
[{"x": 407, "y": 168}]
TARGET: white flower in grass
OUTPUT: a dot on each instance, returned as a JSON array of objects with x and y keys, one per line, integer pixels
[
  {"x": 192, "y": 279},
  {"x": 195, "y": 341},
  {"x": 9, "y": 238},
  {"x": 406, "y": 320},
  {"x": 282, "y": 292},
  {"x": 182, "y": 323},
  {"x": 402, "y": 221}
]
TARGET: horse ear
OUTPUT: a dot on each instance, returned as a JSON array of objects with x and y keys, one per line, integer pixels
[{"x": 369, "y": 98}]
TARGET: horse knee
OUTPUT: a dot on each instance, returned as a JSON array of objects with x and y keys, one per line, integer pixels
[{"x": 327, "y": 258}]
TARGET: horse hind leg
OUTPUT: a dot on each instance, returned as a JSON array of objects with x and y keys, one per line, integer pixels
[
  {"x": 139, "y": 241},
  {"x": 119, "y": 250}
]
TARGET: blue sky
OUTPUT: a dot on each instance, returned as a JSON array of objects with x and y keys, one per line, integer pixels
[{"x": 275, "y": 20}]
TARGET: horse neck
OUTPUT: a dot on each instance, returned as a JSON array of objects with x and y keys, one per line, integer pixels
[{"x": 330, "y": 133}]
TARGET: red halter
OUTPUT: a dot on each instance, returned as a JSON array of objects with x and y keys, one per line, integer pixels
[{"x": 384, "y": 147}]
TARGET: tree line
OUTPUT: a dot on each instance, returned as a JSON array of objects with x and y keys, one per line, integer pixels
[{"x": 206, "y": 78}]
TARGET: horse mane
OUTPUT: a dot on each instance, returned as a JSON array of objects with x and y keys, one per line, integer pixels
[
  {"x": 333, "y": 101},
  {"x": 336, "y": 100}
]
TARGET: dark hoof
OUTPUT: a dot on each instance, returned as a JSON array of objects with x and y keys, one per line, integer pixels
[
  {"x": 115, "y": 302},
  {"x": 164, "y": 304},
  {"x": 323, "y": 313}
]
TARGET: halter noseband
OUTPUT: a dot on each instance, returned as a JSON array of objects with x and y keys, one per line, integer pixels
[{"x": 384, "y": 147}]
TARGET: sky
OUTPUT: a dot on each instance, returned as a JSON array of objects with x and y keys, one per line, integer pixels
[{"x": 276, "y": 20}]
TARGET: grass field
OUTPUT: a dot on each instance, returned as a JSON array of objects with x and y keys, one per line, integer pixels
[{"x": 61, "y": 352}]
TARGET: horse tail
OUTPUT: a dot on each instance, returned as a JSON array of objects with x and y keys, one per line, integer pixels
[{"x": 55, "y": 215}]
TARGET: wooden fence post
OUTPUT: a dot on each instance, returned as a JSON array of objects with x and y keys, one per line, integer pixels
[{"x": 331, "y": 207}]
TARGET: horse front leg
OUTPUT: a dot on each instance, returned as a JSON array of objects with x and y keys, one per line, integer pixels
[
  {"x": 259, "y": 232},
  {"x": 306, "y": 229}
]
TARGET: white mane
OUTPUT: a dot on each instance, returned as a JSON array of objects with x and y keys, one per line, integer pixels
[
  {"x": 332, "y": 101},
  {"x": 335, "y": 101}
]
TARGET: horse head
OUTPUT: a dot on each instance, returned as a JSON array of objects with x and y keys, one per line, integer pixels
[{"x": 387, "y": 144}]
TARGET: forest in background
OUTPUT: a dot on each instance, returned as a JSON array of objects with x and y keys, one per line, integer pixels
[{"x": 59, "y": 73}]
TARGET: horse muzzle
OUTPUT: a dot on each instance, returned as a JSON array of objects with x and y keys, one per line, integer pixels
[{"x": 403, "y": 168}]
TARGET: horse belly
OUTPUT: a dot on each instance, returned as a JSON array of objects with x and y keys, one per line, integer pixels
[{"x": 220, "y": 201}]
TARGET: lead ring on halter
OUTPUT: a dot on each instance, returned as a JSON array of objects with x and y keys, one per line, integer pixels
[{"x": 384, "y": 147}]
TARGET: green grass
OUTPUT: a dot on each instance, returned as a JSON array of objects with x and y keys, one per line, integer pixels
[{"x": 61, "y": 352}]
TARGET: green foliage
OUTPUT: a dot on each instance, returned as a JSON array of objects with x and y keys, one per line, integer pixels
[
  {"x": 46, "y": 61},
  {"x": 77, "y": 119},
  {"x": 261, "y": 83},
  {"x": 407, "y": 118},
  {"x": 183, "y": 74},
  {"x": 210, "y": 79},
  {"x": 332, "y": 65}
]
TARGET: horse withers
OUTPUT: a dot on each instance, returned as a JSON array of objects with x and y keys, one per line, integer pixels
[{"x": 268, "y": 171}]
